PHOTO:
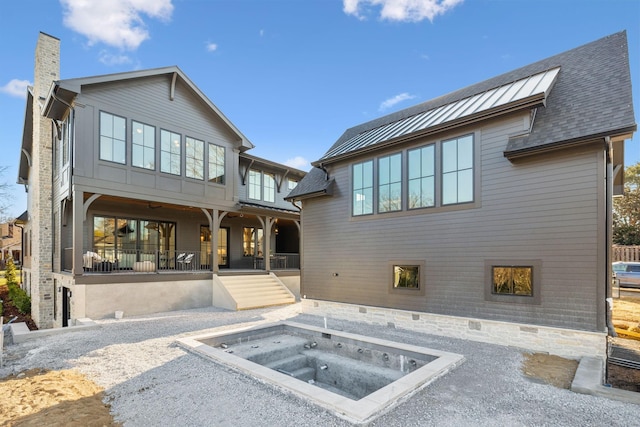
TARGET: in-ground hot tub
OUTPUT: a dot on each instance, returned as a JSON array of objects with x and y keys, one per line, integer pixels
[{"x": 355, "y": 376}]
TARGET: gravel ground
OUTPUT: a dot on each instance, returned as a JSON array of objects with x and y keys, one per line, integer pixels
[{"x": 149, "y": 381}]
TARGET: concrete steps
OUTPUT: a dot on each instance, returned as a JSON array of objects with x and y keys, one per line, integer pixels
[{"x": 256, "y": 291}]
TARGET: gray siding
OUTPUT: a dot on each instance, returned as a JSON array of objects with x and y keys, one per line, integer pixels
[
  {"x": 147, "y": 101},
  {"x": 544, "y": 209}
]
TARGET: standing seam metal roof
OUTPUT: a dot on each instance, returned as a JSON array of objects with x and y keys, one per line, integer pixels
[{"x": 537, "y": 85}]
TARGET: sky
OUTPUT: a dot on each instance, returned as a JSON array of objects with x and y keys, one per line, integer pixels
[{"x": 293, "y": 75}]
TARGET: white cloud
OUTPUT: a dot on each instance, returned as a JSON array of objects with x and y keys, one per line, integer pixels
[
  {"x": 299, "y": 162},
  {"x": 110, "y": 59},
  {"x": 401, "y": 10},
  {"x": 211, "y": 47},
  {"x": 261, "y": 33},
  {"x": 395, "y": 100},
  {"x": 15, "y": 87},
  {"x": 116, "y": 23}
]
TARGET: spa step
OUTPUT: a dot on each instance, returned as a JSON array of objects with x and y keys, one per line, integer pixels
[
  {"x": 254, "y": 291},
  {"x": 289, "y": 364}
]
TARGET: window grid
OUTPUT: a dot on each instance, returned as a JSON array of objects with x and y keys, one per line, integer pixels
[
  {"x": 513, "y": 280},
  {"x": 194, "y": 158},
  {"x": 390, "y": 183},
  {"x": 255, "y": 184},
  {"x": 457, "y": 170},
  {"x": 269, "y": 184},
  {"x": 112, "y": 138},
  {"x": 143, "y": 145},
  {"x": 421, "y": 177},
  {"x": 363, "y": 188},
  {"x": 170, "y": 152},
  {"x": 216, "y": 164}
]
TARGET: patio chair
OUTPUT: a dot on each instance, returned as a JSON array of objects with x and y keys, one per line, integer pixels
[{"x": 186, "y": 262}]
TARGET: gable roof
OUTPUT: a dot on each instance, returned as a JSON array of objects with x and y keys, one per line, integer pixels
[
  {"x": 591, "y": 98},
  {"x": 63, "y": 92}
]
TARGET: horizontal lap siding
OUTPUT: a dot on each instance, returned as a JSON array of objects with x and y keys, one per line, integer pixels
[
  {"x": 147, "y": 101},
  {"x": 540, "y": 209}
]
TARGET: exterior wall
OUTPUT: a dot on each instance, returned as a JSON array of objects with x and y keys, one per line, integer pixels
[
  {"x": 186, "y": 115},
  {"x": 532, "y": 337},
  {"x": 47, "y": 69},
  {"x": 549, "y": 209},
  {"x": 99, "y": 301}
]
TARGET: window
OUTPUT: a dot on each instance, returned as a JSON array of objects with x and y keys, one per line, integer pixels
[
  {"x": 112, "y": 138},
  {"x": 170, "y": 152},
  {"x": 406, "y": 276},
  {"x": 421, "y": 177},
  {"x": 513, "y": 281},
  {"x": 205, "y": 246},
  {"x": 269, "y": 183},
  {"x": 363, "y": 188},
  {"x": 291, "y": 184},
  {"x": 252, "y": 241},
  {"x": 194, "y": 158},
  {"x": 143, "y": 145},
  {"x": 129, "y": 240},
  {"x": 216, "y": 164},
  {"x": 390, "y": 183},
  {"x": 255, "y": 184},
  {"x": 457, "y": 170}
]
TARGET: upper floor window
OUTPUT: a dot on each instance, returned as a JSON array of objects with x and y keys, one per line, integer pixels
[
  {"x": 194, "y": 158},
  {"x": 170, "y": 152},
  {"x": 269, "y": 185},
  {"x": 112, "y": 138},
  {"x": 255, "y": 185},
  {"x": 363, "y": 188},
  {"x": 143, "y": 145},
  {"x": 216, "y": 164},
  {"x": 421, "y": 177},
  {"x": 291, "y": 184},
  {"x": 457, "y": 170},
  {"x": 390, "y": 183}
]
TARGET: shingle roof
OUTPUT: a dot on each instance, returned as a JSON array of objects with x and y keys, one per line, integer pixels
[
  {"x": 591, "y": 98},
  {"x": 315, "y": 183}
]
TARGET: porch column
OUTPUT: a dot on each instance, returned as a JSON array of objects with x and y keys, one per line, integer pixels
[
  {"x": 215, "y": 227},
  {"x": 78, "y": 223}
]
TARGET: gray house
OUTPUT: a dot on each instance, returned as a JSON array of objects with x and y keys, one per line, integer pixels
[
  {"x": 143, "y": 198},
  {"x": 484, "y": 213}
]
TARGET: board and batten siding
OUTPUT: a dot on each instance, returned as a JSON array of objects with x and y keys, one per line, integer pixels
[
  {"x": 545, "y": 208},
  {"x": 146, "y": 100}
]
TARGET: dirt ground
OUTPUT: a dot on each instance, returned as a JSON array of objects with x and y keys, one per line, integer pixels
[
  {"x": 554, "y": 370},
  {"x": 37, "y": 398}
]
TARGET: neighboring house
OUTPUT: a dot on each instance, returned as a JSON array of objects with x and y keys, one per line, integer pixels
[
  {"x": 141, "y": 197},
  {"x": 484, "y": 213},
  {"x": 10, "y": 242}
]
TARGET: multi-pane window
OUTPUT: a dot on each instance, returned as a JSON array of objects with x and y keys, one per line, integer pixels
[
  {"x": 252, "y": 239},
  {"x": 363, "y": 188},
  {"x": 390, "y": 183},
  {"x": 269, "y": 185},
  {"x": 194, "y": 158},
  {"x": 170, "y": 152},
  {"x": 255, "y": 184},
  {"x": 112, "y": 138},
  {"x": 457, "y": 170},
  {"x": 512, "y": 280},
  {"x": 143, "y": 145},
  {"x": 421, "y": 177},
  {"x": 216, "y": 164}
]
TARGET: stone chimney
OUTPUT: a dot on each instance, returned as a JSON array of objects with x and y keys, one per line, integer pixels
[{"x": 47, "y": 70}]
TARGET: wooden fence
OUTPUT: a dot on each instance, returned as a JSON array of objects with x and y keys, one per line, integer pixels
[{"x": 625, "y": 253}]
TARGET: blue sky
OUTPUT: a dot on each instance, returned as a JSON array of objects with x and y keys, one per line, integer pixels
[{"x": 292, "y": 75}]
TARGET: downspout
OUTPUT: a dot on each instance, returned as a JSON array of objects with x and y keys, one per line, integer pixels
[{"x": 608, "y": 234}]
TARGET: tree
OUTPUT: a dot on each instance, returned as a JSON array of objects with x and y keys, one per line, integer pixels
[{"x": 626, "y": 209}]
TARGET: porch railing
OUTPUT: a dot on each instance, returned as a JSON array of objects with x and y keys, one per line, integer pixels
[{"x": 140, "y": 261}]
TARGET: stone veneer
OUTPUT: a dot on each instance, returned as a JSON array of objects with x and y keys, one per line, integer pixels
[{"x": 562, "y": 342}]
